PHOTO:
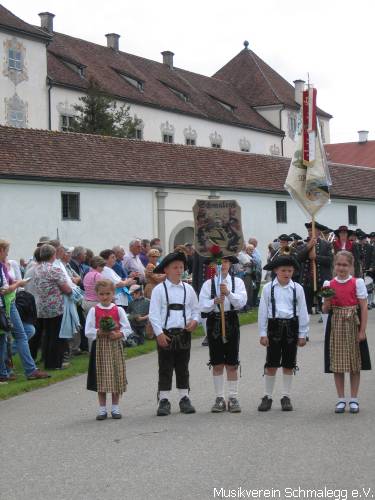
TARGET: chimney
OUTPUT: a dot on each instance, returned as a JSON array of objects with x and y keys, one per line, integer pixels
[
  {"x": 46, "y": 21},
  {"x": 168, "y": 58},
  {"x": 362, "y": 136},
  {"x": 113, "y": 41},
  {"x": 299, "y": 87}
]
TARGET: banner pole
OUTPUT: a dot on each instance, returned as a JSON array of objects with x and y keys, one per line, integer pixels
[
  {"x": 314, "y": 260},
  {"x": 222, "y": 312}
]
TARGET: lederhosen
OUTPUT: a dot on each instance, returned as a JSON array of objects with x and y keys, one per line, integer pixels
[
  {"x": 177, "y": 355},
  {"x": 220, "y": 352},
  {"x": 283, "y": 337}
]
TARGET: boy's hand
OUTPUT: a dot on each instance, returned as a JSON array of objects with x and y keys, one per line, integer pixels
[
  {"x": 301, "y": 342},
  {"x": 224, "y": 289},
  {"x": 163, "y": 340},
  {"x": 191, "y": 326},
  {"x": 219, "y": 300},
  {"x": 264, "y": 341}
]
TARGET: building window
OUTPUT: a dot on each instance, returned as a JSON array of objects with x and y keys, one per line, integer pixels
[
  {"x": 322, "y": 131},
  {"x": 15, "y": 59},
  {"x": 352, "y": 215},
  {"x": 16, "y": 112},
  {"x": 70, "y": 206},
  {"x": 139, "y": 134},
  {"x": 168, "y": 138},
  {"x": 292, "y": 125},
  {"x": 16, "y": 118},
  {"x": 66, "y": 122},
  {"x": 134, "y": 82},
  {"x": 167, "y": 132},
  {"x": 190, "y": 136},
  {"x": 245, "y": 145},
  {"x": 281, "y": 216},
  {"x": 216, "y": 140}
]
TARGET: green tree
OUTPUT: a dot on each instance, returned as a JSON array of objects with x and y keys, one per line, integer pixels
[{"x": 98, "y": 113}]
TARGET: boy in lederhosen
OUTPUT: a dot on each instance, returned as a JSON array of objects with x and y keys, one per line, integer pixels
[
  {"x": 283, "y": 324},
  {"x": 224, "y": 351},
  {"x": 174, "y": 314}
]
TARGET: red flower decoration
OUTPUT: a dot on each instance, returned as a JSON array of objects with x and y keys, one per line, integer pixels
[{"x": 215, "y": 250}]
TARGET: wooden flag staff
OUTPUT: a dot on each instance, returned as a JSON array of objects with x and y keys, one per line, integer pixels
[{"x": 314, "y": 260}]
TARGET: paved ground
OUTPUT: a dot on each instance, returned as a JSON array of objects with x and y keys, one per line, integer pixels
[{"x": 53, "y": 449}]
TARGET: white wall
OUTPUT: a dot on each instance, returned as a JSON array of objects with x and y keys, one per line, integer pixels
[
  {"x": 33, "y": 91},
  {"x": 153, "y": 118},
  {"x": 110, "y": 215}
]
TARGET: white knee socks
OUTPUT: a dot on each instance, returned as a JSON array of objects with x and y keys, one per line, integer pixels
[
  {"x": 219, "y": 385},
  {"x": 269, "y": 383},
  {"x": 232, "y": 388},
  {"x": 287, "y": 384}
]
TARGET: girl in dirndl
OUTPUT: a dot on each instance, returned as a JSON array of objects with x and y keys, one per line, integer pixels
[
  {"x": 346, "y": 349},
  {"x": 106, "y": 371}
]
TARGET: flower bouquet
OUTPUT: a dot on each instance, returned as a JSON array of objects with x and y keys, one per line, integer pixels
[
  {"x": 327, "y": 292},
  {"x": 216, "y": 254},
  {"x": 107, "y": 324}
]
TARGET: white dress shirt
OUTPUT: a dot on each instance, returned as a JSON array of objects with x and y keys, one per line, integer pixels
[
  {"x": 284, "y": 306},
  {"x": 158, "y": 306},
  {"x": 238, "y": 299},
  {"x": 91, "y": 330},
  {"x": 361, "y": 289}
]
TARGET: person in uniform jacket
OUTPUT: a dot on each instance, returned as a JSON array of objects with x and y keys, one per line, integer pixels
[{"x": 319, "y": 250}]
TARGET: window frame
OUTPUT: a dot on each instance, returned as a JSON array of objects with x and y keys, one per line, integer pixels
[
  {"x": 15, "y": 62},
  {"x": 169, "y": 137},
  {"x": 281, "y": 212},
  {"x": 190, "y": 142},
  {"x": 353, "y": 215},
  {"x": 78, "y": 208},
  {"x": 64, "y": 128}
]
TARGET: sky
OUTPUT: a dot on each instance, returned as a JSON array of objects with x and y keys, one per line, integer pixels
[{"x": 331, "y": 40}]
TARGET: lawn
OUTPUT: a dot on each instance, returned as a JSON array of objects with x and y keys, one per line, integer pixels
[{"x": 79, "y": 364}]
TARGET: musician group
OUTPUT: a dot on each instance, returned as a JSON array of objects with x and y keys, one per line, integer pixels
[{"x": 339, "y": 262}]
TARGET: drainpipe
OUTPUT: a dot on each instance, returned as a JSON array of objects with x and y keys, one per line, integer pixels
[
  {"x": 160, "y": 207},
  {"x": 280, "y": 126},
  {"x": 49, "y": 103}
]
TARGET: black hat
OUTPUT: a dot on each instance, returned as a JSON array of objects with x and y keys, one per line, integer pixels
[
  {"x": 361, "y": 235},
  {"x": 285, "y": 237},
  {"x": 282, "y": 260},
  {"x": 308, "y": 225},
  {"x": 168, "y": 259},
  {"x": 232, "y": 258},
  {"x": 296, "y": 236},
  {"x": 341, "y": 229},
  {"x": 372, "y": 234}
]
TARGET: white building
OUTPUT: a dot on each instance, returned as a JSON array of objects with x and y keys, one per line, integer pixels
[
  {"x": 101, "y": 191},
  {"x": 246, "y": 106}
]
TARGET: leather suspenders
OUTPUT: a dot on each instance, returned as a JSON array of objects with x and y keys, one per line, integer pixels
[
  {"x": 174, "y": 307},
  {"x": 273, "y": 303}
]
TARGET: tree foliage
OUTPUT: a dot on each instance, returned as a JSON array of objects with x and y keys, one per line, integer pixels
[{"x": 98, "y": 113}]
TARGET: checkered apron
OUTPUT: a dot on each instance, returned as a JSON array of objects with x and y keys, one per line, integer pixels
[
  {"x": 110, "y": 366},
  {"x": 344, "y": 349}
]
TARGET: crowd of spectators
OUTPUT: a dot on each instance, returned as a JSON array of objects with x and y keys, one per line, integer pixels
[{"x": 48, "y": 298}]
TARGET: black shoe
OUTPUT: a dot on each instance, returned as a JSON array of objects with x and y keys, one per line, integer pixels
[
  {"x": 205, "y": 341},
  {"x": 164, "y": 408},
  {"x": 266, "y": 404},
  {"x": 234, "y": 405},
  {"x": 116, "y": 416},
  {"x": 219, "y": 406},
  {"x": 286, "y": 405},
  {"x": 101, "y": 416},
  {"x": 186, "y": 406},
  {"x": 307, "y": 338}
]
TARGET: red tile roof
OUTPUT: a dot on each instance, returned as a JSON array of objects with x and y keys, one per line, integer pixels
[
  {"x": 352, "y": 153},
  {"x": 10, "y": 22},
  {"x": 257, "y": 82},
  {"x": 69, "y": 157},
  {"x": 106, "y": 65}
]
